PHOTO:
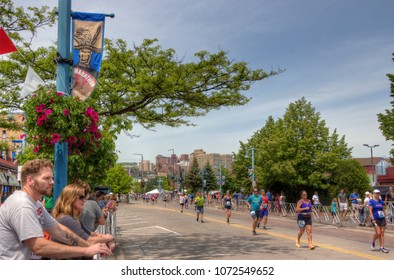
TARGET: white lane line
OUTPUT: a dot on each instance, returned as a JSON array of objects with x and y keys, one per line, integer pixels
[{"x": 176, "y": 233}]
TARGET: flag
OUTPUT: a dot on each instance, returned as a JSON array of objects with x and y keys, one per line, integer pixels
[
  {"x": 6, "y": 45},
  {"x": 32, "y": 82},
  {"x": 87, "y": 52}
]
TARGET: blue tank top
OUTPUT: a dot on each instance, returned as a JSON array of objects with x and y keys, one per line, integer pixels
[{"x": 307, "y": 212}]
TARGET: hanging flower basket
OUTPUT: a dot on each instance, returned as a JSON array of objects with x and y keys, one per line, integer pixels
[{"x": 52, "y": 117}]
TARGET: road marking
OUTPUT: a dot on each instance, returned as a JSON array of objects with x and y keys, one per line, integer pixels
[
  {"x": 130, "y": 224},
  {"x": 176, "y": 233},
  {"x": 283, "y": 236}
]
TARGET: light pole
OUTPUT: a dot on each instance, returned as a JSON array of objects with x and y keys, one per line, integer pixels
[
  {"x": 142, "y": 171},
  {"x": 173, "y": 167},
  {"x": 202, "y": 180},
  {"x": 372, "y": 165},
  {"x": 220, "y": 178},
  {"x": 247, "y": 156}
]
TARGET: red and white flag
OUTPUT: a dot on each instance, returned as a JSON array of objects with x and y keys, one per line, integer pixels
[{"x": 6, "y": 45}]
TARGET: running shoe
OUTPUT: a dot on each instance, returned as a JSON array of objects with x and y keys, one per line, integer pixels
[
  {"x": 258, "y": 225},
  {"x": 197, "y": 219},
  {"x": 311, "y": 247},
  {"x": 372, "y": 244},
  {"x": 254, "y": 232},
  {"x": 298, "y": 244},
  {"x": 264, "y": 228},
  {"x": 202, "y": 221},
  {"x": 384, "y": 250}
]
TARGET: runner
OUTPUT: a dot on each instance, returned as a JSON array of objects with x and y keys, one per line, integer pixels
[
  {"x": 254, "y": 201},
  {"x": 263, "y": 210},
  {"x": 181, "y": 201},
  {"x": 378, "y": 216},
  {"x": 304, "y": 219},
  {"x": 200, "y": 201},
  {"x": 227, "y": 204}
]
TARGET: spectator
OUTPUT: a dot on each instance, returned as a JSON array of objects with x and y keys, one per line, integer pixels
[
  {"x": 316, "y": 201},
  {"x": 67, "y": 210},
  {"x": 92, "y": 215},
  {"x": 343, "y": 202},
  {"x": 389, "y": 201},
  {"x": 334, "y": 210},
  {"x": 354, "y": 200},
  {"x": 23, "y": 220},
  {"x": 364, "y": 214}
]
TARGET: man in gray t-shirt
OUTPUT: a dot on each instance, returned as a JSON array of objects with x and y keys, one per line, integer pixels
[
  {"x": 23, "y": 219},
  {"x": 92, "y": 215}
]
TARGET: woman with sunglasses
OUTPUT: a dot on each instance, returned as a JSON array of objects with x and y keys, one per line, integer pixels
[
  {"x": 304, "y": 219},
  {"x": 378, "y": 216},
  {"x": 69, "y": 207}
]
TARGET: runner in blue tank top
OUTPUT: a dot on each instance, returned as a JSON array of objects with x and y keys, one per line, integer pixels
[
  {"x": 378, "y": 215},
  {"x": 304, "y": 219}
]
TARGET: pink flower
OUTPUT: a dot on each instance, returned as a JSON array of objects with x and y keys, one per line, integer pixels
[
  {"x": 66, "y": 112},
  {"x": 51, "y": 100},
  {"x": 93, "y": 128},
  {"x": 56, "y": 137},
  {"x": 97, "y": 135},
  {"x": 59, "y": 93},
  {"x": 40, "y": 122},
  {"x": 40, "y": 108},
  {"x": 89, "y": 112},
  {"x": 72, "y": 139},
  {"x": 22, "y": 136},
  {"x": 36, "y": 148},
  {"x": 48, "y": 112}
]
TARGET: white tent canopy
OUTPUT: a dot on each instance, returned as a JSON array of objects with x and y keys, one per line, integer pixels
[{"x": 155, "y": 191}]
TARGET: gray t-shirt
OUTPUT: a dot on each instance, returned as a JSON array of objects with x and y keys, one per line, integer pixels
[
  {"x": 342, "y": 197},
  {"x": 90, "y": 214},
  {"x": 21, "y": 218},
  {"x": 72, "y": 224}
]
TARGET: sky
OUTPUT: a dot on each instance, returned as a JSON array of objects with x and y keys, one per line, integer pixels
[{"x": 336, "y": 54}]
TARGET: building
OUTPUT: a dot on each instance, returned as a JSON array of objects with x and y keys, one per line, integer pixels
[
  {"x": 214, "y": 159},
  {"x": 379, "y": 170},
  {"x": 10, "y": 148}
]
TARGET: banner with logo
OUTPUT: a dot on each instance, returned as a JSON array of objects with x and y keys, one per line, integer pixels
[{"x": 87, "y": 51}]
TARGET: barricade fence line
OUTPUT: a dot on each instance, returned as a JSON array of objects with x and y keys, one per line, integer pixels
[{"x": 353, "y": 216}]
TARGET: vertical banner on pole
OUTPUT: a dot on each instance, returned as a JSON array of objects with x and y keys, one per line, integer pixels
[{"x": 87, "y": 51}]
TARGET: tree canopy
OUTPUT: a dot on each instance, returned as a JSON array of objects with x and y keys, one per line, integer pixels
[
  {"x": 144, "y": 84},
  {"x": 296, "y": 152},
  {"x": 387, "y": 119}
]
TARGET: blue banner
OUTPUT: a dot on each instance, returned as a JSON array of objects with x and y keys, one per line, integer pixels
[{"x": 87, "y": 51}]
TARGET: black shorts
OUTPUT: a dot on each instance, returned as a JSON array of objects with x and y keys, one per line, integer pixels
[
  {"x": 381, "y": 222},
  {"x": 304, "y": 221}
]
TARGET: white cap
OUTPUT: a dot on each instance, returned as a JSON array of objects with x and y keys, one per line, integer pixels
[
  {"x": 367, "y": 193},
  {"x": 376, "y": 191}
]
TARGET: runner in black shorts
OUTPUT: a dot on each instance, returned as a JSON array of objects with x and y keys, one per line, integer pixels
[{"x": 227, "y": 205}]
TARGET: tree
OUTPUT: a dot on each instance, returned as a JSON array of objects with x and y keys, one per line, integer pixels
[
  {"x": 387, "y": 119},
  {"x": 297, "y": 151},
  {"x": 144, "y": 84},
  {"x": 118, "y": 180},
  {"x": 210, "y": 178},
  {"x": 193, "y": 180},
  {"x": 349, "y": 175}
]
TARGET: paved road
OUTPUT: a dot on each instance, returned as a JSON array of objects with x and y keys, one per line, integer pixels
[{"x": 146, "y": 232}]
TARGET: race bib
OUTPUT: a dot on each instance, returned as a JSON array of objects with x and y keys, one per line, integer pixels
[
  {"x": 265, "y": 206},
  {"x": 381, "y": 214},
  {"x": 301, "y": 223},
  {"x": 253, "y": 214}
]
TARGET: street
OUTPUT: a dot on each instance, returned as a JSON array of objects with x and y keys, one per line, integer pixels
[{"x": 158, "y": 232}]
